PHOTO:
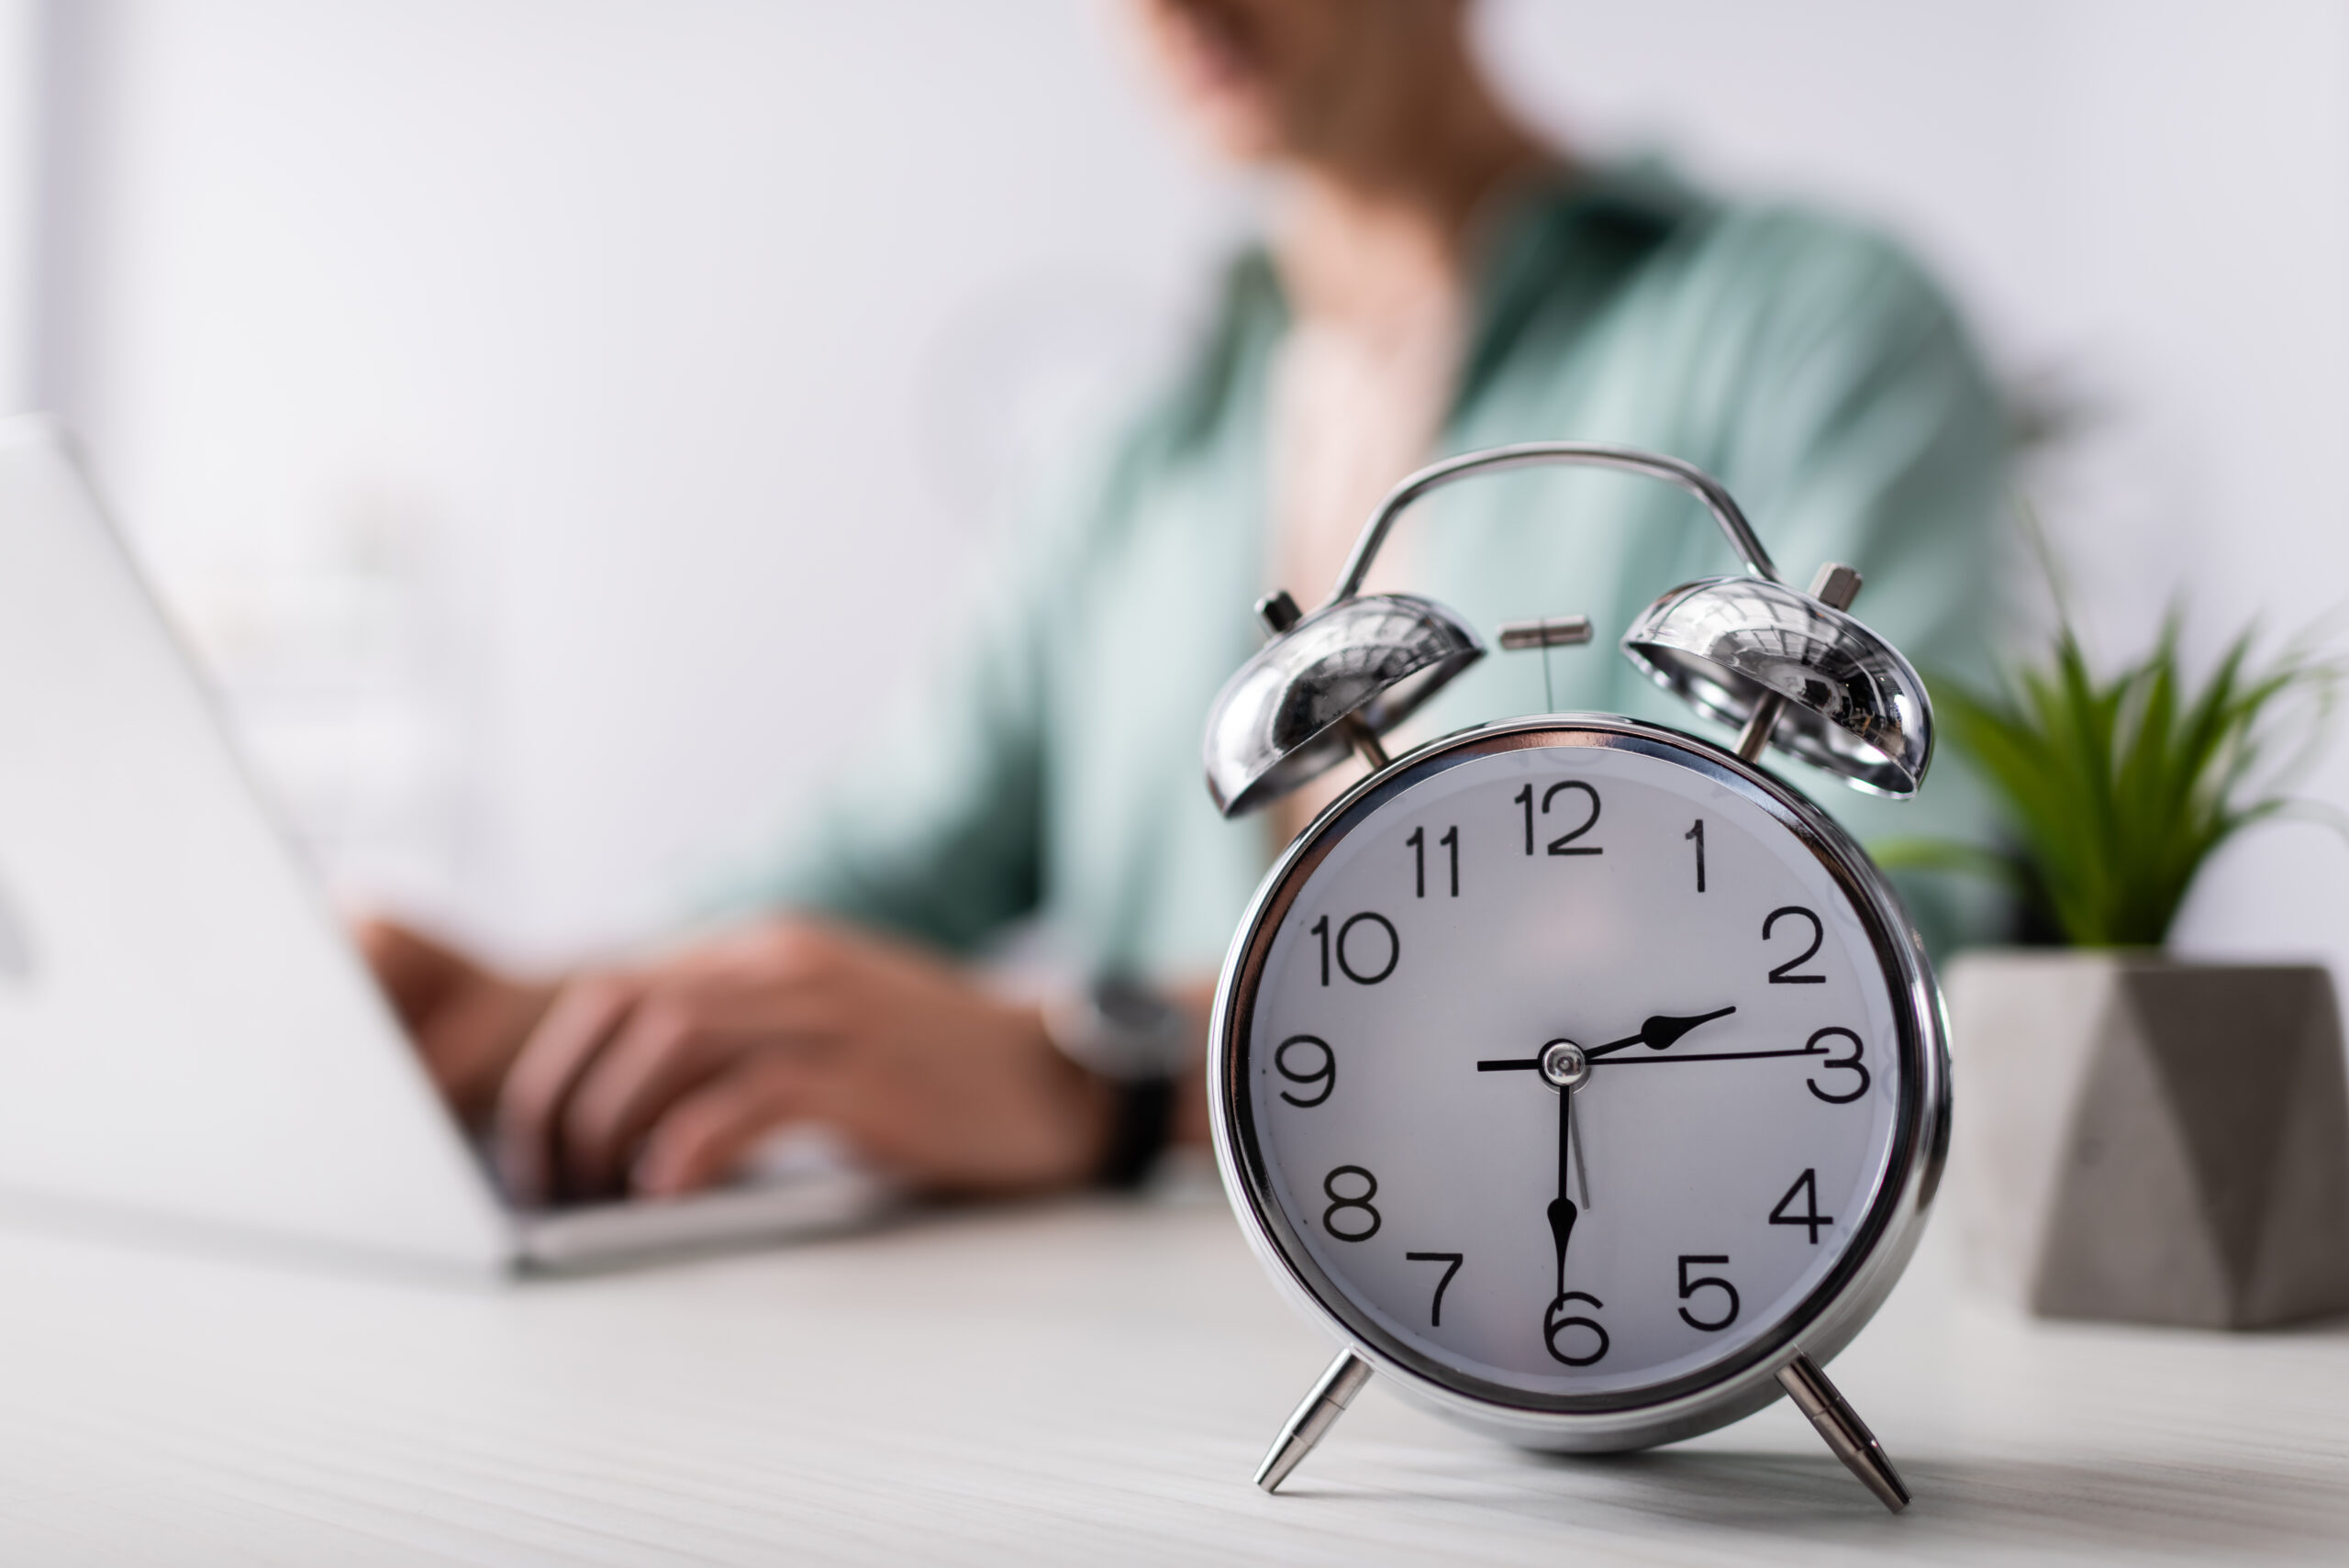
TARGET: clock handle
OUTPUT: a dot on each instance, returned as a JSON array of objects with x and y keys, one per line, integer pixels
[
  {"x": 1314, "y": 1418},
  {"x": 1841, "y": 1426},
  {"x": 1575, "y": 454}
]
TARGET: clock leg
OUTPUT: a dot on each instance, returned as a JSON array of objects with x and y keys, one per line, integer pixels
[
  {"x": 1312, "y": 1418},
  {"x": 1844, "y": 1431}
]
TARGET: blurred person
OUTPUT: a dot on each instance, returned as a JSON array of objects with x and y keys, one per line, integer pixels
[{"x": 1436, "y": 279}]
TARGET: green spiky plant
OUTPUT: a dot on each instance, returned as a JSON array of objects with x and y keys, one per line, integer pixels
[{"x": 2116, "y": 792}]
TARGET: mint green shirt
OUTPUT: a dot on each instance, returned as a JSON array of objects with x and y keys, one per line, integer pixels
[{"x": 1052, "y": 768}]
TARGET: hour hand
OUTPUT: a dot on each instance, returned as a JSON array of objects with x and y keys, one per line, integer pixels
[{"x": 1660, "y": 1030}]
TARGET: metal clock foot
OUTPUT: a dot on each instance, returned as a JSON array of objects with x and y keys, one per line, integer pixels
[
  {"x": 1844, "y": 1431},
  {"x": 1312, "y": 1418}
]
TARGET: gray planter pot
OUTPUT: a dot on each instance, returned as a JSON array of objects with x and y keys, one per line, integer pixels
[{"x": 2151, "y": 1141}]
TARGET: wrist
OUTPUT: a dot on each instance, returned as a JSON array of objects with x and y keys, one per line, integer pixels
[{"x": 1133, "y": 1044}]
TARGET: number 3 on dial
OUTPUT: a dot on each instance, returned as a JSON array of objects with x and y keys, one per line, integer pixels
[{"x": 1851, "y": 1064}]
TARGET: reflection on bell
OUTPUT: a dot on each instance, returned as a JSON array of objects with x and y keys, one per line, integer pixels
[
  {"x": 1854, "y": 705},
  {"x": 1277, "y": 722}
]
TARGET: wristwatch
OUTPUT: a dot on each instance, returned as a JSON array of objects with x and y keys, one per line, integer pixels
[{"x": 1131, "y": 1037}]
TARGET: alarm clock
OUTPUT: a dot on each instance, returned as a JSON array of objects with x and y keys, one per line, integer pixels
[{"x": 1577, "y": 1074}]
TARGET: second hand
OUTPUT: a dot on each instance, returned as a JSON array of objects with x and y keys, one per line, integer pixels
[{"x": 1582, "y": 1171}]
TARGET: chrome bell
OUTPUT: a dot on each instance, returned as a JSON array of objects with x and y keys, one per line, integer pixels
[
  {"x": 1350, "y": 671},
  {"x": 1846, "y": 700}
]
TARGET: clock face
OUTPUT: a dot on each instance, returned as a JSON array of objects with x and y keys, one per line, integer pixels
[{"x": 1571, "y": 1071}]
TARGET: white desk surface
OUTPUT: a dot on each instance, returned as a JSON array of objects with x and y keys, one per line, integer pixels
[{"x": 1080, "y": 1382}]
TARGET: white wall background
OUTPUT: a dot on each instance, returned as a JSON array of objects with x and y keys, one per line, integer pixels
[
  {"x": 20, "y": 161},
  {"x": 561, "y": 424}
]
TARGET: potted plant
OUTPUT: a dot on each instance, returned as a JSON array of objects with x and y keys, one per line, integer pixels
[{"x": 2141, "y": 1137}]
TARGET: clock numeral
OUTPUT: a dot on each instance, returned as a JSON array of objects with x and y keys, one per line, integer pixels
[
  {"x": 1851, "y": 1064},
  {"x": 1785, "y": 973},
  {"x": 1344, "y": 953},
  {"x": 1418, "y": 842},
  {"x": 1556, "y": 1321},
  {"x": 1689, "y": 1287},
  {"x": 1561, "y": 844},
  {"x": 1325, "y": 1074},
  {"x": 1697, "y": 835},
  {"x": 1806, "y": 1185},
  {"x": 1339, "y": 1204},
  {"x": 1435, "y": 1308}
]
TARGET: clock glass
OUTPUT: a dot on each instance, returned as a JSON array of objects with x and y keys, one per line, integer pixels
[{"x": 1570, "y": 1069}]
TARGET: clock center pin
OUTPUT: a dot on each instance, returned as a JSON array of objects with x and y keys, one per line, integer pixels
[{"x": 1565, "y": 1065}]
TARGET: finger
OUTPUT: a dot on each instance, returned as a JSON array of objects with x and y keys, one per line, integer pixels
[
  {"x": 471, "y": 1041},
  {"x": 704, "y": 1137},
  {"x": 664, "y": 1049},
  {"x": 579, "y": 1023},
  {"x": 467, "y": 1021},
  {"x": 683, "y": 1033},
  {"x": 415, "y": 971}
]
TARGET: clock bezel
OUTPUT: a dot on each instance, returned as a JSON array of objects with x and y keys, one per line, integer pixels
[{"x": 1820, "y": 1324}]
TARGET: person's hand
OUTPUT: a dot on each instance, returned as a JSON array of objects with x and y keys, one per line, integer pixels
[
  {"x": 659, "y": 1079},
  {"x": 468, "y": 1021}
]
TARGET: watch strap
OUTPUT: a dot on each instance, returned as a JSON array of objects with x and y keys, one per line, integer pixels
[
  {"x": 1130, "y": 1039},
  {"x": 1141, "y": 1123}
]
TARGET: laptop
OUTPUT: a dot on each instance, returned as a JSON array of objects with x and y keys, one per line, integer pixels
[{"x": 185, "y": 1031}]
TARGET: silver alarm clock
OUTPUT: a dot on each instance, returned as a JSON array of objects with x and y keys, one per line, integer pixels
[{"x": 1578, "y": 1075}]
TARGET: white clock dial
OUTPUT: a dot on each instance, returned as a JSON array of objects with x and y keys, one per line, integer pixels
[{"x": 1585, "y": 1220}]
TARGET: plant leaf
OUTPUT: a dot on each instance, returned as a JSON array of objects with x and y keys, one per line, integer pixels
[{"x": 2117, "y": 790}]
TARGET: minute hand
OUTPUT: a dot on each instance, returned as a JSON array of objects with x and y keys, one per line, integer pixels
[
  {"x": 1658, "y": 1032},
  {"x": 1562, "y": 1210}
]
